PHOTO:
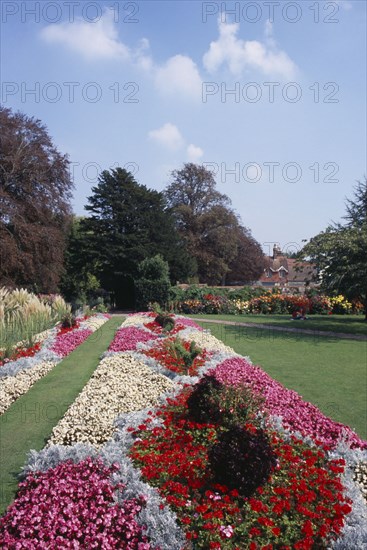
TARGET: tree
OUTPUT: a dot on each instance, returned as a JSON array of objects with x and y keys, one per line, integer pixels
[
  {"x": 356, "y": 215},
  {"x": 205, "y": 220},
  {"x": 339, "y": 252},
  {"x": 35, "y": 193},
  {"x": 152, "y": 284},
  {"x": 79, "y": 283},
  {"x": 249, "y": 263},
  {"x": 129, "y": 223}
]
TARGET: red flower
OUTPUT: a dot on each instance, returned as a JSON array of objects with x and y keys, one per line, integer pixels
[{"x": 307, "y": 528}]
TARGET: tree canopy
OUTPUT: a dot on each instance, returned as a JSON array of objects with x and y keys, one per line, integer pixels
[
  {"x": 209, "y": 226},
  {"x": 249, "y": 262},
  {"x": 35, "y": 193},
  {"x": 127, "y": 223},
  {"x": 339, "y": 252},
  {"x": 79, "y": 282}
]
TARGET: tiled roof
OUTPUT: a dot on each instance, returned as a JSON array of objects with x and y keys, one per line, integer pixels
[{"x": 295, "y": 271}]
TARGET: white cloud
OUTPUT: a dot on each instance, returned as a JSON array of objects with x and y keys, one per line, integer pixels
[
  {"x": 238, "y": 55},
  {"x": 194, "y": 153},
  {"x": 168, "y": 136},
  {"x": 179, "y": 76},
  {"x": 97, "y": 40},
  {"x": 142, "y": 57}
]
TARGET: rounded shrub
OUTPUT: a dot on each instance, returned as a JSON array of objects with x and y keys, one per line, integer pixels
[
  {"x": 241, "y": 459},
  {"x": 202, "y": 403}
]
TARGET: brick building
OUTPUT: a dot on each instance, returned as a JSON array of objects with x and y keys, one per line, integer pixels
[{"x": 286, "y": 273}]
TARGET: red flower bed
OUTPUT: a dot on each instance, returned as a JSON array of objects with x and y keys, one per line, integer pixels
[
  {"x": 301, "y": 507},
  {"x": 157, "y": 329},
  {"x": 164, "y": 353},
  {"x": 22, "y": 352}
]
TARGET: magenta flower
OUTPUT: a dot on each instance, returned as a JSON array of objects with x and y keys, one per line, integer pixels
[
  {"x": 127, "y": 338},
  {"x": 67, "y": 342},
  {"x": 297, "y": 415},
  {"x": 72, "y": 506}
]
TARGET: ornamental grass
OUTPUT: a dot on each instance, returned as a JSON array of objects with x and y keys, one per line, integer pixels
[{"x": 23, "y": 315}]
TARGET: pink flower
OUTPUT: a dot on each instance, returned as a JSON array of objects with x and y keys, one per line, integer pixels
[
  {"x": 127, "y": 338},
  {"x": 297, "y": 415},
  {"x": 226, "y": 531}
]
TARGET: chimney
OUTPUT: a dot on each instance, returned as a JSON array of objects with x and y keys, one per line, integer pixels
[{"x": 276, "y": 251}]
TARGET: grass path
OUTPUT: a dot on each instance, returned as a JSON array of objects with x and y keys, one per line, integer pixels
[{"x": 28, "y": 422}]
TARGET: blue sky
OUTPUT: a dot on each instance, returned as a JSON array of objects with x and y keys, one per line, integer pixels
[{"x": 269, "y": 95}]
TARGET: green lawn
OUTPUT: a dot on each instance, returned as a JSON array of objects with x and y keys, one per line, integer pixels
[
  {"x": 352, "y": 324},
  {"x": 28, "y": 422},
  {"x": 327, "y": 371}
]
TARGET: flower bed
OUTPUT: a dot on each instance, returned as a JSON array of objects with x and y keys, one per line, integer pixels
[
  {"x": 296, "y": 414},
  {"x": 127, "y": 338},
  {"x": 300, "y": 506},
  {"x": 73, "y": 506},
  {"x": 120, "y": 384},
  {"x": 187, "y": 455},
  {"x": 165, "y": 353},
  {"x": 267, "y": 303},
  {"x": 16, "y": 377}
]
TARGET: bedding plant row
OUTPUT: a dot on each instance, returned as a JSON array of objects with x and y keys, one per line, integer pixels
[
  {"x": 27, "y": 364},
  {"x": 206, "y": 451}
]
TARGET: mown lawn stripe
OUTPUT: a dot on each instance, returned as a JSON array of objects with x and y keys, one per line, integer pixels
[{"x": 28, "y": 422}]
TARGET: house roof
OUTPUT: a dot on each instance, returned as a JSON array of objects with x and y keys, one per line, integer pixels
[{"x": 295, "y": 271}]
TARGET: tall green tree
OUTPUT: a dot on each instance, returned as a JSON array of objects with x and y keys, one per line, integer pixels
[
  {"x": 79, "y": 283},
  {"x": 127, "y": 223},
  {"x": 339, "y": 252},
  {"x": 35, "y": 194},
  {"x": 206, "y": 221}
]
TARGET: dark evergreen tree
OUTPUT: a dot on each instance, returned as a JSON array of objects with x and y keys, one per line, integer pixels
[
  {"x": 79, "y": 284},
  {"x": 129, "y": 222}
]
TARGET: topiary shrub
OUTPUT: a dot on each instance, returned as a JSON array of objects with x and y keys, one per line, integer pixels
[
  {"x": 242, "y": 460},
  {"x": 202, "y": 403},
  {"x": 227, "y": 405}
]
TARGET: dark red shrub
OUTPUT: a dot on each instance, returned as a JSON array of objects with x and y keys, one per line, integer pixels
[{"x": 242, "y": 460}]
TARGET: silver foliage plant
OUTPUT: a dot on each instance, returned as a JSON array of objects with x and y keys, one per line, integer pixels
[
  {"x": 354, "y": 533},
  {"x": 45, "y": 354},
  {"x": 159, "y": 520}
]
